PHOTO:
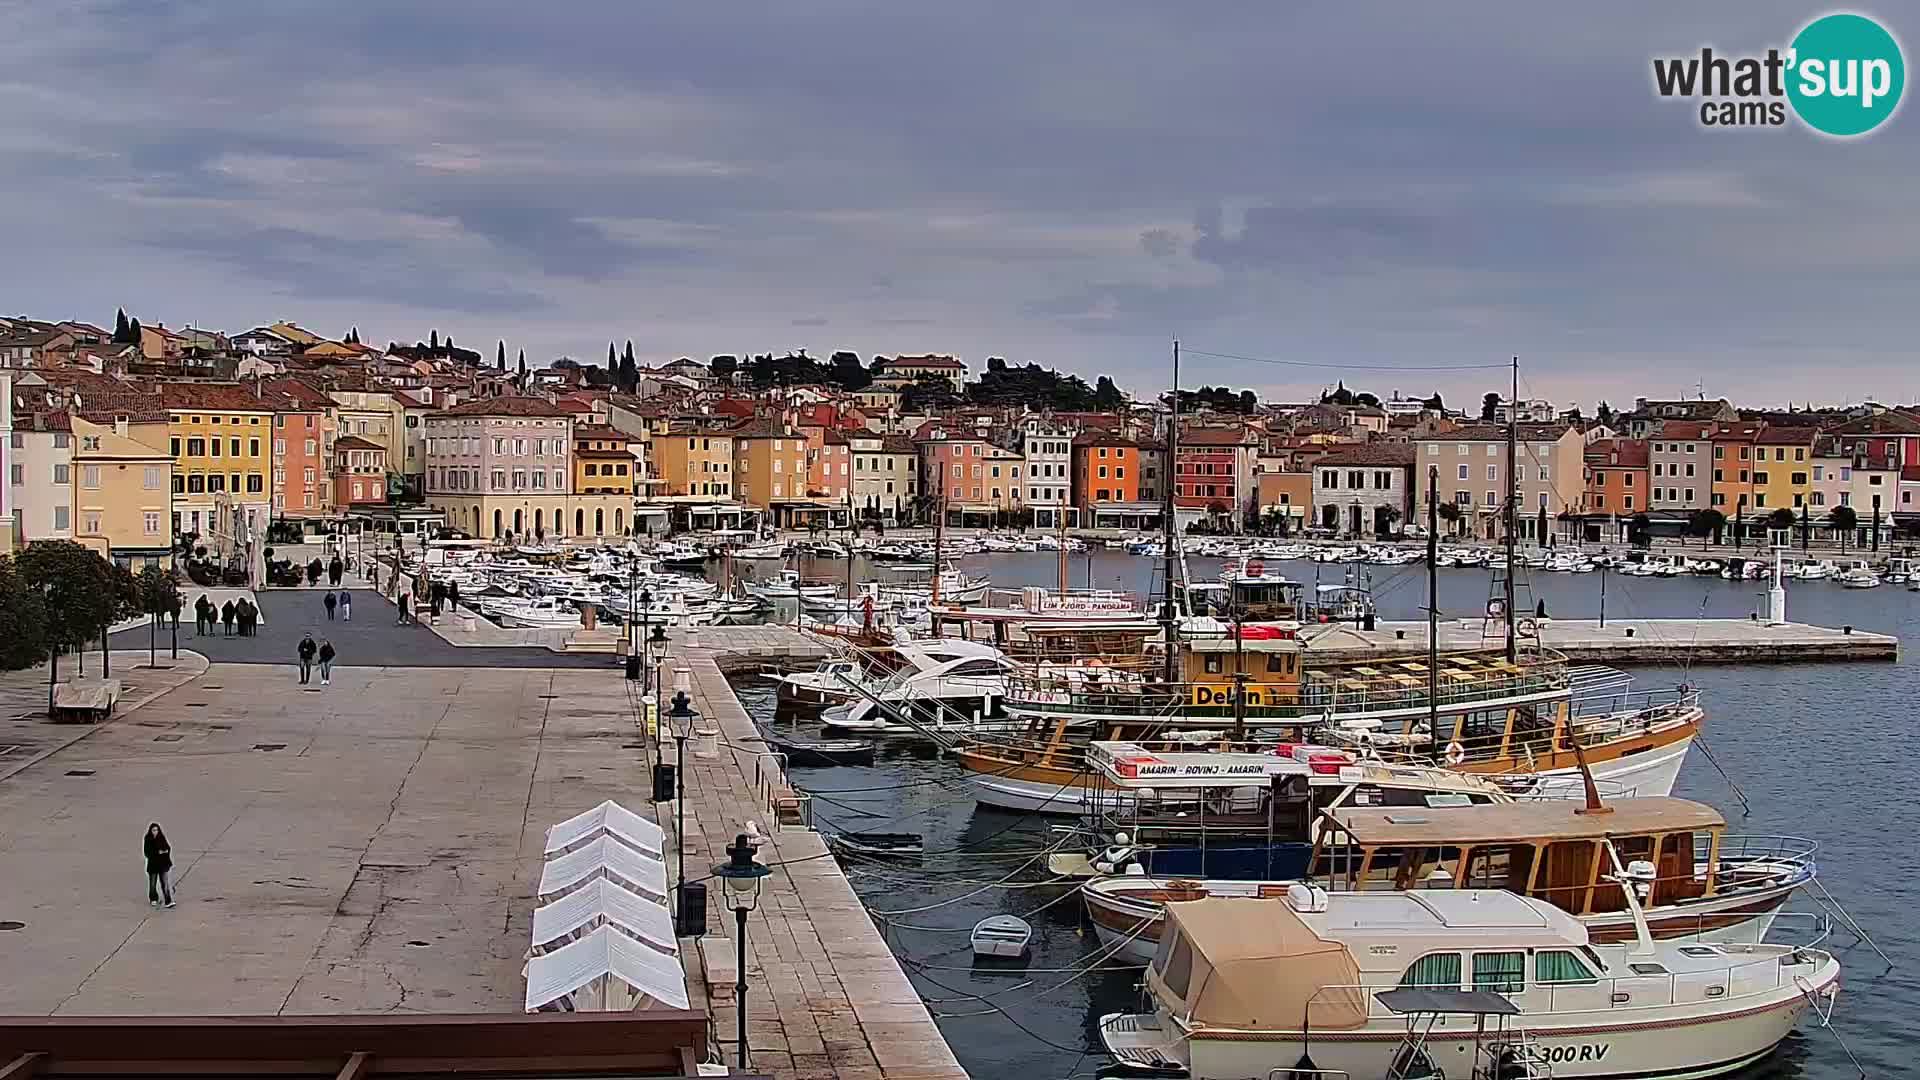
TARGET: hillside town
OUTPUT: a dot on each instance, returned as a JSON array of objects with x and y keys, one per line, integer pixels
[{"x": 135, "y": 440}]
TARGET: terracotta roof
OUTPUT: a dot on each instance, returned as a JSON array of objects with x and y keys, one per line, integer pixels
[
  {"x": 1787, "y": 436},
  {"x": 1498, "y": 433},
  {"x": 763, "y": 429},
  {"x": 1103, "y": 438},
  {"x": 1685, "y": 429},
  {"x": 1893, "y": 422},
  {"x": 510, "y": 405},
  {"x": 213, "y": 397},
  {"x": 1212, "y": 436},
  {"x": 1617, "y": 454},
  {"x": 297, "y": 394},
  {"x": 896, "y": 444},
  {"x": 355, "y": 442},
  {"x": 54, "y": 420},
  {"x": 1375, "y": 454},
  {"x": 598, "y": 431}
]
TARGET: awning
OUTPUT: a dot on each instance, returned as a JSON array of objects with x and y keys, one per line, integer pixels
[
  {"x": 605, "y": 953},
  {"x": 609, "y": 818},
  {"x": 605, "y": 857},
  {"x": 600, "y": 903}
]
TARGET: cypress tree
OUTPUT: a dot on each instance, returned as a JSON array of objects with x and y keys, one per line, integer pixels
[
  {"x": 433, "y": 340},
  {"x": 120, "y": 326},
  {"x": 500, "y": 356},
  {"x": 523, "y": 369},
  {"x": 133, "y": 331}
]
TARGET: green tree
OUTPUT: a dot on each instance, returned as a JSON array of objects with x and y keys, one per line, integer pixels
[
  {"x": 845, "y": 371},
  {"x": 159, "y": 594},
  {"x": 1844, "y": 520},
  {"x": 1107, "y": 397},
  {"x": 433, "y": 340},
  {"x": 1705, "y": 523},
  {"x": 1434, "y": 403},
  {"x": 1489, "y": 405},
  {"x": 523, "y": 369},
  {"x": 1639, "y": 530},
  {"x": 133, "y": 331},
  {"x": 120, "y": 326},
  {"x": 1450, "y": 514},
  {"x": 1367, "y": 399},
  {"x": 500, "y": 355},
  {"x": 629, "y": 378},
  {"x": 79, "y": 593},
  {"x": 1603, "y": 412},
  {"x": 723, "y": 367},
  {"x": 23, "y": 619}
]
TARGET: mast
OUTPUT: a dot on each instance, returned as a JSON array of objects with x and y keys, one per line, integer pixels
[
  {"x": 1061, "y": 513},
  {"x": 939, "y": 534},
  {"x": 1167, "y": 621},
  {"x": 1433, "y": 605},
  {"x": 853, "y": 538},
  {"x": 1513, "y": 501}
]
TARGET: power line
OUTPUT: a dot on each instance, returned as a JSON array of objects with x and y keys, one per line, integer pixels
[{"x": 1327, "y": 364}]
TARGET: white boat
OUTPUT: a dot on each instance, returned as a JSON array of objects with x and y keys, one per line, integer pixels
[
  {"x": 1860, "y": 578},
  {"x": 773, "y": 550},
  {"x": 541, "y": 612},
  {"x": 786, "y": 587},
  {"x": 1001, "y": 936},
  {"x": 1253, "y": 988},
  {"x": 962, "y": 693}
]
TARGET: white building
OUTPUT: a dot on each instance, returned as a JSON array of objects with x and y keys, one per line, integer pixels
[
  {"x": 40, "y": 476},
  {"x": 1364, "y": 490},
  {"x": 1048, "y": 446}
]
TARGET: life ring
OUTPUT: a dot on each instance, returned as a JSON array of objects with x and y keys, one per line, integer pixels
[
  {"x": 1527, "y": 628},
  {"x": 1456, "y": 754}
]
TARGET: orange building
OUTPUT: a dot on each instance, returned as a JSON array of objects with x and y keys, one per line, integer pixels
[
  {"x": 1617, "y": 479},
  {"x": 1106, "y": 469},
  {"x": 359, "y": 472},
  {"x": 303, "y": 441}
]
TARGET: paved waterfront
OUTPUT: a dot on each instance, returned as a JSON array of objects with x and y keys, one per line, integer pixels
[
  {"x": 365, "y": 847},
  {"x": 1625, "y": 641}
]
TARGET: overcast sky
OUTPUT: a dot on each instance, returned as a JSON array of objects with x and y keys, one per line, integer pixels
[{"x": 1074, "y": 184}]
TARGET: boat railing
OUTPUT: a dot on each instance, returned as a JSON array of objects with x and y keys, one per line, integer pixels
[
  {"x": 1079, "y": 693},
  {"x": 1752, "y": 969}
]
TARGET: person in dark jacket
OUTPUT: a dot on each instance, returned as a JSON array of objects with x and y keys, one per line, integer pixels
[
  {"x": 306, "y": 650},
  {"x": 200, "y": 617},
  {"x": 403, "y": 610},
  {"x": 336, "y": 570},
  {"x": 346, "y": 606},
  {"x": 227, "y": 614},
  {"x": 326, "y": 662},
  {"x": 331, "y": 601},
  {"x": 249, "y": 617},
  {"x": 453, "y": 597},
  {"x": 159, "y": 866}
]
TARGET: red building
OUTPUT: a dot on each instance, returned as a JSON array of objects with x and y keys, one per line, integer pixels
[
  {"x": 1214, "y": 471},
  {"x": 359, "y": 472}
]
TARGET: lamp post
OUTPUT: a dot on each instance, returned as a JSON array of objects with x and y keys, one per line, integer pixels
[
  {"x": 680, "y": 724},
  {"x": 742, "y": 876},
  {"x": 646, "y": 606}
]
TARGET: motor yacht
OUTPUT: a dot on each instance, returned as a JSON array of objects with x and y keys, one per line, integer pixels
[{"x": 962, "y": 693}]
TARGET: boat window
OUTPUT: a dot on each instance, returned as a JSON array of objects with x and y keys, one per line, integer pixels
[
  {"x": 1499, "y": 866},
  {"x": 1178, "y": 969},
  {"x": 1276, "y": 663},
  {"x": 1213, "y": 663},
  {"x": 1559, "y": 966},
  {"x": 1700, "y": 951},
  {"x": 1434, "y": 969},
  {"x": 1502, "y": 971},
  {"x": 1647, "y": 969},
  {"x": 976, "y": 667}
]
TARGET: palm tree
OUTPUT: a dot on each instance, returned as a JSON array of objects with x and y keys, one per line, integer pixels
[
  {"x": 1705, "y": 523},
  {"x": 1844, "y": 520}
]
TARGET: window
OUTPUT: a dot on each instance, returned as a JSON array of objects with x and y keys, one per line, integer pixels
[
  {"x": 89, "y": 476},
  {"x": 1627, "y": 505},
  {"x": 1543, "y": 500},
  {"x": 1689, "y": 468},
  {"x": 253, "y": 447},
  {"x": 1817, "y": 471},
  {"x": 1491, "y": 501},
  {"x": 1599, "y": 479},
  {"x": 1689, "y": 494},
  {"x": 1846, "y": 472},
  {"x": 1463, "y": 472},
  {"x": 1846, "y": 498},
  {"x": 1493, "y": 473},
  {"x": 1560, "y": 966},
  {"x": 256, "y": 483},
  {"x": 1120, "y": 473},
  {"x": 1505, "y": 972},
  {"x": 1760, "y": 499},
  {"x": 1463, "y": 498},
  {"x": 1434, "y": 969},
  {"x": 216, "y": 482},
  {"x": 1433, "y": 449},
  {"x": 153, "y": 523},
  {"x": 1103, "y": 472},
  {"x": 175, "y": 443},
  {"x": 1331, "y": 480},
  {"x": 196, "y": 484},
  {"x": 1625, "y": 479},
  {"x": 308, "y": 478},
  {"x": 1801, "y": 478},
  {"x": 61, "y": 474},
  {"x": 1799, "y": 453},
  {"x": 1383, "y": 481},
  {"x": 1719, "y": 452},
  {"x": 233, "y": 446},
  {"x": 1461, "y": 450},
  {"x": 179, "y": 484},
  {"x": 195, "y": 447},
  {"x": 61, "y": 518}
]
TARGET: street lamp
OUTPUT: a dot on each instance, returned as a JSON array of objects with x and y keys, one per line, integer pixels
[
  {"x": 742, "y": 876},
  {"x": 680, "y": 725},
  {"x": 646, "y": 606}
]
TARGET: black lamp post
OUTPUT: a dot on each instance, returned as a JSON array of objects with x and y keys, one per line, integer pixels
[
  {"x": 680, "y": 723},
  {"x": 646, "y": 606},
  {"x": 742, "y": 876}
]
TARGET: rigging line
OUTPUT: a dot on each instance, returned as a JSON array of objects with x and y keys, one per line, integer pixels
[
  {"x": 1075, "y": 891},
  {"x": 1329, "y": 365},
  {"x": 1007, "y": 1015},
  {"x": 1002, "y": 883}
]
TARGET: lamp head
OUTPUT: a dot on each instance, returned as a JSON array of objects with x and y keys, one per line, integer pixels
[{"x": 742, "y": 874}]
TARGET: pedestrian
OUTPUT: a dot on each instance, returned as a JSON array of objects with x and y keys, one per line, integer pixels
[
  {"x": 453, "y": 596},
  {"x": 346, "y": 606},
  {"x": 200, "y": 616},
  {"x": 173, "y": 611},
  {"x": 330, "y": 600},
  {"x": 306, "y": 650},
  {"x": 249, "y": 616},
  {"x": 403, "y": 610},
  {"x": 226, "y": 617},
  {"x": 326, "y": 662},
  {"x": 336, "y": 570},
  {"x": 159, "y": 866}
]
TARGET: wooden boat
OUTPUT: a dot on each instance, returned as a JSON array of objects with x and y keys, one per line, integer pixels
[
  {"x": 1691, "y": 879},
  {"x": 1001, "y": 936},
  {"x": 820, "y": 751},
  {"x": 877, "y": 844}
]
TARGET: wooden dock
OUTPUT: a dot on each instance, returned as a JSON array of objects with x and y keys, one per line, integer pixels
[{"x": 1623, "y": 641}]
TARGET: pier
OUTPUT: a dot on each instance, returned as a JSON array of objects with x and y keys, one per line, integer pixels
[{"x": 1621, "y": 641}]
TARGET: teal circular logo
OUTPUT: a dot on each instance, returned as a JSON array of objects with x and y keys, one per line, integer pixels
[{"x": 1845, "y": 75}]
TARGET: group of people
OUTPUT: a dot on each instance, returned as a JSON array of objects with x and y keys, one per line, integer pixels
[
  {"x": 341, "y": 602},
  {"x": 308, "y": 652},
  {"x": 240, "y": 612}
]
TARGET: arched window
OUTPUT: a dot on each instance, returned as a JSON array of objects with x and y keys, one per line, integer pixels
[
  {"x": 618, "y": 521},
  {"x": 496, "y": 524},
  {"x": 579, "y": 523},
  {"x": 599, "y": 522},
  {"x": 540, "y": 521},
  {"x": 518, "y": 523}
]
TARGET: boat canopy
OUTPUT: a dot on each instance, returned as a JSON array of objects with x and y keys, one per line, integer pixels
[
  {"x": 1407, "y": 1000},
  {"x": 1253, "y": 964},
  {"x": 1545, "y": 821},
  {"x": 1130, "y": 765}
]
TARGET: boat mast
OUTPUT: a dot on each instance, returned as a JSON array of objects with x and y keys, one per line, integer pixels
[
  {"x": 1167, "y": 621},
  {"x": 939, "y": 535},
  {"x": 853, "y": 538},
  {"x": 1513, "y": 501},
  {"x": 1061, "y": 513},
  {"x": 1433, "y": 605}
]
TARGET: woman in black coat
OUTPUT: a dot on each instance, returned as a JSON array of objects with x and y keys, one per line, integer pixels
[{"x": 159, "y": 866}]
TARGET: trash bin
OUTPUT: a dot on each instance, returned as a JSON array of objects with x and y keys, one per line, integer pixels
[
  {"x": 691, "y": 921},
  {"x": 633, "y": 668}
]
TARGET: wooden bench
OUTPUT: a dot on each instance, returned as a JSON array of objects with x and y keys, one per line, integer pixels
[{"x": 86, "y": 701}]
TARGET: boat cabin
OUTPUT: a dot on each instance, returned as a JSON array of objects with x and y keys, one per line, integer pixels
[{"x": 1552, "y": 850}]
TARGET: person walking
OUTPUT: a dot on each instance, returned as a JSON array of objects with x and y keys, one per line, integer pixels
[
  {"x": 249, "y": 614},
  {"x": 326, "y": 662},
  {"x": 331, "y": 601},
  {"x": 336, "y": 570},
  {"x": 346, "y": 606},
  {"x": 306, "y": 650},
  {"x": 226, "y": 618},
  {"x": 403, "y": 610},
  {"x": 159, "y": 866},
  {"x": 200, "y": 616},
  {"x": 453, "y": 597}
]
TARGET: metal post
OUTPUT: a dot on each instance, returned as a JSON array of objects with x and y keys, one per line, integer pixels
[
  {"x": 1513, "y": 502},
  {"x": 1603, "y": 596},
  {"x": 1168, "y": 625},
  {"x": 1433, "y": 605},
  {"x": 740, "y": 978},
  {"x": 680, "y": 824}
]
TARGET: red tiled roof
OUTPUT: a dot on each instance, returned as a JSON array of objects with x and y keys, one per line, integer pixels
[
  {"x": 510, "y": 405},
  {"x": 1787, "y": 436},
  {"x": 355, "y": 442},
  {"x": 1685, "y": 429},
  {"x": 213, "y": 397},
  {"x": 1233, "y": 436},
  {"x": 1617, "y": 454},
  {"x": 598, "y": 431},
  {"x": 1376, "y": 454},
  {"x": 1103, "y": 438}
]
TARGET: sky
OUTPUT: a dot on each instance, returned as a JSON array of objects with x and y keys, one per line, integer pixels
[{"x": 1074, "y": 184}]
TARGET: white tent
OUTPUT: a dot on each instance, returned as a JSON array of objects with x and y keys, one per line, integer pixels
[
  {"x": 606, "y": 970},
  {"x": 604, "y": 857},
  {"x": 608, "y": 819},
  {"x": 598, "y": 903}
]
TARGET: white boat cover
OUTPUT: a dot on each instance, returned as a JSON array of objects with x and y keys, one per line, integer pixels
[
  {"x": 609, "y": 818},
  {"x": 604, "y": 901},
  {"x": 604, "y": 857},
  {"x": 605, "y": 952}
]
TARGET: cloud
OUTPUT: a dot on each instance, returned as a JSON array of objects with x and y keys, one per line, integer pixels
[{"x": 988, "y": 180}]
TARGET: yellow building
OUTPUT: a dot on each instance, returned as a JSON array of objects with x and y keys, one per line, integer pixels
[
  {"x": 698, "y": 462},
  {"x": 221, "y": 440},
  {"x": 770, "y": 473},
  {"x": 602, "y": 464},
  {"x": 1783, "y": 468},
  {"x": 122, "y": 494}
]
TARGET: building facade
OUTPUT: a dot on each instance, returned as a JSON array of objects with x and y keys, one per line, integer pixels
[
  {"x": 123, "y": 495},
  {"x": 1472, "y": 467},
  {"x": 1213, "y": 473},
  {"x": 221, "y": 436},
  {"x": 1680, "y": 464},
  {"x": 886, "y": 476},
  {"x": 359, "y": 473},
  {"x": 500, "y": 465},
  {"x": 1364, "y": 490},
  {"x": 40, "y": 474},
  {"x": 1047, "y": 444}
]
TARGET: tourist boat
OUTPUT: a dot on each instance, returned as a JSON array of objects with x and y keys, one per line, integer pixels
[
  {"x": 800, "y": 751},
  {"x": 1691, "y": 879},
  {"x": 1252, "y": 988},
  {"x": 961, "y": 694},
  {"x": 1512, "y": 720},
  {"x": 839, "y": 680}
]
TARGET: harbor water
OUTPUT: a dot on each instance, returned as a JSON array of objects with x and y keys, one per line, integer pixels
[{"x": 1828, "y": 752}]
